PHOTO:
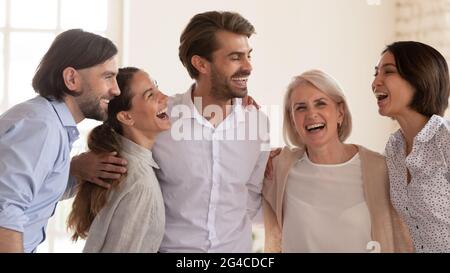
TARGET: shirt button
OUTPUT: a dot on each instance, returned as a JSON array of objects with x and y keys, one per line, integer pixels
[
  {"x": 421, "y": 247},
  {"x": 417, "y": 227},
  {"x": 406, "y": 208}
]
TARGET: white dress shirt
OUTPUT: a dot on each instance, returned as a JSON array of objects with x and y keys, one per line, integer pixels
[
  {"x": 133, "y": 218},
  {"x": 211, "y": 178},
  {"x": 325, "y": 209},
  {"x": 424, "y": 203}
]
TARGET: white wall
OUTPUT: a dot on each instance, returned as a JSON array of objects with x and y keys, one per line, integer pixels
[
  {"x": 427, "y": 22},
  {"x": 341, "y": 37}
]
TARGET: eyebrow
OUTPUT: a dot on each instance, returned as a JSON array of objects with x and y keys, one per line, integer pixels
[
  {"x": 384, "y": 65},
  {"x": 109, "y": 73},
  {"x": 317, "y": 100},
  {"x": 240, "y": 52},
  {"x": 147, "y": 91}
]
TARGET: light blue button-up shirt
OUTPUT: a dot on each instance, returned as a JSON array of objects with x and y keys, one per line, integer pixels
[{"x": 35, "y": 142}]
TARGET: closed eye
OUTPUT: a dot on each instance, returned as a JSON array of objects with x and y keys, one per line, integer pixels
[
  {"x": 109, "y": 75},
  {"x": 148, "y": 93},
  {"x": 321, "y": 103},
  {"x": 300, "y": 108},
  {"x": 235, "y": 57}
]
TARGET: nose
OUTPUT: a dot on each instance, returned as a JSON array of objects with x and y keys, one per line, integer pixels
[
  {"x": 115, "y": 90},
  {"x": 162, "y": 97},
  {"x": 377, "y": 82},
  {"x": 247, "y": 64},
  {"x": 311, "y": 113}
]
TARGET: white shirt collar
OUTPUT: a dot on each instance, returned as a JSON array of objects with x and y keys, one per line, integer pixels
[
  {"x": 430, "y": 129},
  {"x": 186, "y": 99}
]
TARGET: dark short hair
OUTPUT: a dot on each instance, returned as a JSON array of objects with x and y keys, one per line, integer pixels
[
  {"x": 198, "y": 38},
  {"x": 427, "y": 71},
  {"x": 73, "y": 48}
]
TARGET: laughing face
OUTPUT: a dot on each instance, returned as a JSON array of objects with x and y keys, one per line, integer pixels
[
  {"x": 393, "y": 93},
  {"x": 230, "y": 67},
  {"x": 315, "y": 115},
  {"x": 149, "y": 105},
  {"x": 98, "y": 87}
]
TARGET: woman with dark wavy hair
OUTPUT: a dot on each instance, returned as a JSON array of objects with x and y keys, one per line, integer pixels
[{"x": 129, "y": 216}]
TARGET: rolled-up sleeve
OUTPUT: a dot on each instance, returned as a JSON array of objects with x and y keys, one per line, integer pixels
[{"x": 26, "y": 158}]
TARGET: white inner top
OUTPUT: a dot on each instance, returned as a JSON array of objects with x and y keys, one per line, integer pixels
[{"x": 324, "y": 208}]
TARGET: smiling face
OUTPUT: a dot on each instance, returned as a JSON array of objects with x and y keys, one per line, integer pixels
[
  {"x": 98, "y": 87},
  {"x": 148, "y": 105},
  {"x": 230, "y": 66},
  {"x": 315, "y": 115},
  {"x": 393, "y": 93}
]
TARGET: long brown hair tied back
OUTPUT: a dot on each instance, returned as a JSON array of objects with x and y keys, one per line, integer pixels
[{"x": 91, "y": 198}]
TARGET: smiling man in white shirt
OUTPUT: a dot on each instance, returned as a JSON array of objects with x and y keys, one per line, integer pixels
[{"x": 212, "y": 161}]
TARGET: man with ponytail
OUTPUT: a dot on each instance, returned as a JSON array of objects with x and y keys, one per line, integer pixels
[{"x": 75, "y": 80}]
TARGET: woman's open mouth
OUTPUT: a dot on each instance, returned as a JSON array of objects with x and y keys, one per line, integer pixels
[
  {"x": 381, "y": 96},
  {"x": 315, "y": 127},
  {"x": 162, "y": 114}
]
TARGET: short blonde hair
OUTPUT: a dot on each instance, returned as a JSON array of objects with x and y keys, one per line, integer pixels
[{"x": 327, "y": 85}]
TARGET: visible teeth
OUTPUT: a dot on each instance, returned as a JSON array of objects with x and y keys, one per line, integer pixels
[
  {"x": 106, "y": 101},
  {"x": 162, "y": 111},
  {"x": 240, "y": 79},
  {"x": 380, "y": 95},
  {"x": 315, "y": 126}
]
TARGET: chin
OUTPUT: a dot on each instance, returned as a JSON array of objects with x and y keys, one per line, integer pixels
[
  {"x": 240, "y": 94},
  {"x": 383, "y": 113},
  {"x": 165, "y": 127}
]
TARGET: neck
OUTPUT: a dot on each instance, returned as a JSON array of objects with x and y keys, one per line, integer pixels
[
  {"x": 139, "y": 137},
  {"x": 411, "y": 124},
  {"x": 73, "y": 108},
  {"x": 331, "y": 153},
  {"x": 216, "y": 109}
]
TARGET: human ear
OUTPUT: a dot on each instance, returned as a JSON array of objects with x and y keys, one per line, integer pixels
[
  {"x": 125, "y": 118},
  {"x": 341, "y": 112},
  {"x": 72, "y": 79},
  {"x": 201, "y": 64}
]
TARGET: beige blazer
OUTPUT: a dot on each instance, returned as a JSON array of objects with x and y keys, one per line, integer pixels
[{"x": 387, "y": 227}]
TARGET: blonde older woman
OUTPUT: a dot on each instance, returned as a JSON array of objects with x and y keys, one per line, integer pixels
[{"x": 325, "y": 195}]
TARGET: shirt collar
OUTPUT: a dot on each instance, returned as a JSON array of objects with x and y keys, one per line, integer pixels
[
  {"x": 138, "y": 151},
  {"x": 237, "y": 107},
  {"x": 66, "y": 119},
  {"x": 430, "y": 129},
  {"x": 187, "y": 100},
  {"x": 63, "y": 113}
]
